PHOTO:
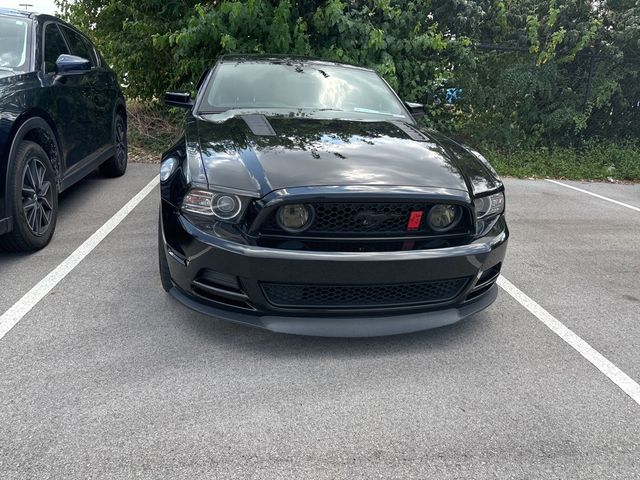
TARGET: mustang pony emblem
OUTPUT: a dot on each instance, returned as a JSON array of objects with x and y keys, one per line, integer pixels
[{"x": 371, "y": 219}]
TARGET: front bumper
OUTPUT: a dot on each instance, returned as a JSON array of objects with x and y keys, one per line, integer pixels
[
  {"x": 191, "y": 251},
  {"x": 347, "y": 326}
]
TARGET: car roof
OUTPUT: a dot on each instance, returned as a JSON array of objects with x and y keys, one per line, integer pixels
[
  {"x": 278, "y": 58},
  {"x": 10, "y": 12}
]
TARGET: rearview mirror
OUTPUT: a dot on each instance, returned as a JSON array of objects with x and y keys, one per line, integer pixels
[
  {"x": 415, "y": 109},
  {"x": 72, "y": 65},
  {"x": 177, "y": 99}
]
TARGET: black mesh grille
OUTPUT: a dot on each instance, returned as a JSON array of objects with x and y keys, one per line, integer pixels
[
  {"x": 389, "y": 218},
  {"x": 362, "y": 296}
]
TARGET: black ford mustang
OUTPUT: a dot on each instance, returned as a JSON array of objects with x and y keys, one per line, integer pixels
[
  {"x": 62, "y": 114},
  {"x": 304, "y": 198}
]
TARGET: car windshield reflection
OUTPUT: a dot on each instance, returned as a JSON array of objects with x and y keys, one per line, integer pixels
[
  {"x": 289, "y": 87},
  {"x": 13, "y": 45}
]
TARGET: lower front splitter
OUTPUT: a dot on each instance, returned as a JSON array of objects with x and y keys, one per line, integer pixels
[{"x": 345, "y": 326}]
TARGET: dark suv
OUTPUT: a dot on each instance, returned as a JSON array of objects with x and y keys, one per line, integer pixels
[{"x": 62, "y": 114}]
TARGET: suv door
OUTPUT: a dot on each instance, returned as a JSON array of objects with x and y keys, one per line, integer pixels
[
  {"x": 98, "y": 88},
  {"x": 71, "y": 102}
]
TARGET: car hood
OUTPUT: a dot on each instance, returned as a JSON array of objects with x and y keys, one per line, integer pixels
[
  {"x": 9, "y": 79},
  {"x": 259, "y": 153}
]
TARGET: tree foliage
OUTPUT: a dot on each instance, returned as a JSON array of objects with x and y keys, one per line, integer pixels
[
  {"x": 531, "y": 71},
  {"x": 549, "y": 72}
]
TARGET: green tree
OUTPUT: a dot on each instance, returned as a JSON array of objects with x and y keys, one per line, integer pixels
[
  {"x": 532, "y": 72},
  {"x": 158, "y": 45},
  {"x": 124, "y": 31},
  {"x": 554, "y": 73}
]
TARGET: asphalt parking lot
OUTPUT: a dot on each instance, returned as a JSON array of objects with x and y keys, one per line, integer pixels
[{"x": 106, "y": 376}]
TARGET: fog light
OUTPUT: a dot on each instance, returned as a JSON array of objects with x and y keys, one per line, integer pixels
[
  {"x": 295, "y": 218},
  {"x": 443, "y": 217}
]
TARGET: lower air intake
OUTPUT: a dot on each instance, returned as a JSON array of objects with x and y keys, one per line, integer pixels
[{"x": 362, "y": 296}]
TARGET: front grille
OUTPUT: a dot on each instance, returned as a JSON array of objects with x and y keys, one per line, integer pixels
[
  {"x": 362, "y": 296},
  {"x": 365, "y": 218}
]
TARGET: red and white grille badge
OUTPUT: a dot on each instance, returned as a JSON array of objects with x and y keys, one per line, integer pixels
[{"x": 415, "y": 219}]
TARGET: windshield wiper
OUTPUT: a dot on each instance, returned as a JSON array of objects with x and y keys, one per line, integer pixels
[
  {"x": 376, "y": 112},
  {"x": 214, "y": 111},
  {"x": 7, "y": 69}
]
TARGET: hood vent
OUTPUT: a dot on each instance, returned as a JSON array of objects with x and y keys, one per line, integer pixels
[
  {"x": 413, "y": 132},
  {"x": 259, "y": 125}
]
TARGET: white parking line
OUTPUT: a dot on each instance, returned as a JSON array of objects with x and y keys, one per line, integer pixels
[
  {"x": 617, "y": 376},
  {"x": 602, "y": 197},
  {"x": 18, "y": 310}
]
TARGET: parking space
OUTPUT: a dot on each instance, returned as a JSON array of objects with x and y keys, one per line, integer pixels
[
  {"x": 629, "y": 194},
  {"x": 83, "y": 209},
  {"x": 578, "y": 256},
  {"x": 108, "y": 377}
]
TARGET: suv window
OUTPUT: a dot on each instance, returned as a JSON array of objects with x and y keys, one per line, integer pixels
[
  {"x": 80, "y": 47},
  {"x": 54, "y": 46},
  {"x": 93, "y": 55}
]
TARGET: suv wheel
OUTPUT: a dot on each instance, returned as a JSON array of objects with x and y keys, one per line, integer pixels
[
  {"x": 34, "y": 196},
  {"x": 116, "y": 166}
]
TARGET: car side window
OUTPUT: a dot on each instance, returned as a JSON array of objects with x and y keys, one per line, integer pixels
[
  {"x": 80, "y": 47},
  {"x": 93, "y": 56},
  {"x": 54, "y": 46}
]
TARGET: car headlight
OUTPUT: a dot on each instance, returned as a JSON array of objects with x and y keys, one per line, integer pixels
[
  {"x": 442, "y": 218},
  {"x": 219, "y": 205},
  {"x": 488, "y": 209},
  {"x": 295, "y": 218},
  {"x": 167, "y": 167},
  {"x": 490, "y": 205}
]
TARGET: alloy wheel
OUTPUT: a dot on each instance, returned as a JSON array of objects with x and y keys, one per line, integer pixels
[
  {"x": 37, "y": 197},
  {"x": 121, "y": 143}
]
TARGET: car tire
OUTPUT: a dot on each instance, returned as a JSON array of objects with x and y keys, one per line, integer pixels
[
  {"x": 165, "y": 275},
  {"x": 116, "y": 166},
  {"x": 34, "y": 200}
]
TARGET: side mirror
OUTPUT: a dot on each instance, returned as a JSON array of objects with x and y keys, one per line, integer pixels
[
  {"x": 72, "y": 65},
  {"x": 176, "y": 99},
  {"x": 415, "y": 109}
]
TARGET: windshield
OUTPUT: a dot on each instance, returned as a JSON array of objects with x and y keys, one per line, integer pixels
[
  {"x": 294, "y": 86},
  {"x": 14, "y": 51}
]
